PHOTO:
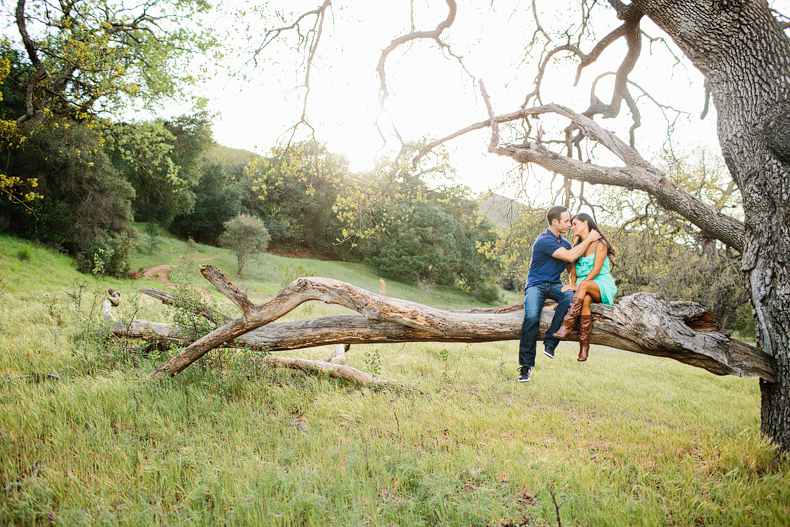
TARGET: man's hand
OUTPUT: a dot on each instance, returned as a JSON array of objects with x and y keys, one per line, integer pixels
[
  {"x": 571, "y": 255},
  {"x": 569, "y": 287}
]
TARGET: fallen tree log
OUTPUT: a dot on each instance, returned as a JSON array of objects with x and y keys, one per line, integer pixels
[{"x": 641, "y": 323}]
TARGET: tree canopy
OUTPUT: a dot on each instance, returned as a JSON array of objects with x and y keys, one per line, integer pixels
[{"x": 76, "y": 59}]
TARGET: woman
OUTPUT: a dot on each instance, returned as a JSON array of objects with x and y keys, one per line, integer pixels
[{"x": 596, "y": 285}]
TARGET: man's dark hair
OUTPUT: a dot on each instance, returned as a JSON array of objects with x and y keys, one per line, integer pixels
[{"x": 554, "y": 213}]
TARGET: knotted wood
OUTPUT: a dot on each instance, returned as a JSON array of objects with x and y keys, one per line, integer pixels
[{"x": 641, "y": 323}]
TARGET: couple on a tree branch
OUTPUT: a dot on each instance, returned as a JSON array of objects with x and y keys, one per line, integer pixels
[{"x": 588, "y": 261}]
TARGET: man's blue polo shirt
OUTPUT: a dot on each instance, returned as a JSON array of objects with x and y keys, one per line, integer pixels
[{"x": 544, "y": 267}]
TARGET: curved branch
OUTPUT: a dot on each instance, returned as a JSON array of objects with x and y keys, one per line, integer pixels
[
  {"x": 630, "y": 29},
  {"x": 636, "y": 174},
  {"x": 711, "y": 222},
  {"x": 642, "y": 323},
  {"x": 41, "y": 72},
  {"x": 435, "y": 34},
  {"x": 542, "y": 69},
  {"x": 599, "y": 48}
]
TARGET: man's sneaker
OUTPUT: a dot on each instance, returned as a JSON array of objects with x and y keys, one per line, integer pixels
[
  {"x": 548, "y": 352},
  {"x": 525, "y": 375}
]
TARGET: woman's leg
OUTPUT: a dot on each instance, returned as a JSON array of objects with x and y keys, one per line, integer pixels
[
  {"x": 588, "y": 299},
  {"x": 585, "y": 327},
  {"x": 566, "y": 328},
  {"x": 586, "y": 288},
  {"x": 589, "y": 287}
]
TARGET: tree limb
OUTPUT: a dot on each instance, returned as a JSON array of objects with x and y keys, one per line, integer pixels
[
  {"x": 641, "y": 323},
  {"x": 636, "y": 174}
]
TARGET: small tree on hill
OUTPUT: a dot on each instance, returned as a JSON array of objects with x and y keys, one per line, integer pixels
[{"x": 245, "y": 235}]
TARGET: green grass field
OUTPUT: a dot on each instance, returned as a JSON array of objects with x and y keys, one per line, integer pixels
[{"x": 87, "y": 439}]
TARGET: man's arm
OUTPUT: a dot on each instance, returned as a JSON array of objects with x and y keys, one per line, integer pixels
[{"x": 571, "y": 255}]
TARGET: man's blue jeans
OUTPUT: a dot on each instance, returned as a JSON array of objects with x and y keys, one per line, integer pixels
[{"x": 534, "y": 297}]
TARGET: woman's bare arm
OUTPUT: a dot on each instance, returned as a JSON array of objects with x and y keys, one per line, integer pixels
[{"x": 600, "y": 255}]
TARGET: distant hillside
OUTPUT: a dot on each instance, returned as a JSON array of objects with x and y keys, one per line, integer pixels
[
  {"x": 500, "y": 210},
  {"x": 230, "y": 156}
]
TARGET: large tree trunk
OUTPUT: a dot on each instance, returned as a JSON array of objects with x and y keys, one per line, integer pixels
[
  {"x": 641, "y": 323},
  {"x": 745, "y": 57}
]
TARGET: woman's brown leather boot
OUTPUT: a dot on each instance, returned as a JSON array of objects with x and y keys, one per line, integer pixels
[
  {"x": 585, "y": 327},
  {"x": 570, "y": 318}
]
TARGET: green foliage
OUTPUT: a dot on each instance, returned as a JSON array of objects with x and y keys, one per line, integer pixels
[
  {"x": 416, "y": 233},
  {"x": 152, "y": 240},
  {"x": 741, "y": 322},
  {"x": 13, "y": 76},
  {"x": 84, "y": 205},
  {"x": 218, "y": 197},
  {"x": 514, "y": 247},
  {"x": 444, "y": 356},
  {"x": 119, "y": 55},
  {"x": 190, "y": 307},
  {"x": 245, "y": 235},
  {"x": 297, "y": 187},
  {"x": 96, "y": 348},
  {"x": 162, "y": 160},
  {"x": 192, "y": 246},
  {"x": 290, "y": 272},
  {"x": 372, "y": 362},
  {"x": 115, "y": 252},
  {"x": 86, "y": 54},
  {"x": 23, "y": 254}
]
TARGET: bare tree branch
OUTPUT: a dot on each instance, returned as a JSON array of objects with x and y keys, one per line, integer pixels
[
  {"x": 415, "y": 35},
  {"x": 494, "y": 126},
  {"x": 636, "y": 174},
  {"x": 538, "y": 27},
  {"x": 630, "y": 30},
  {"x": 435, "y": 34}
]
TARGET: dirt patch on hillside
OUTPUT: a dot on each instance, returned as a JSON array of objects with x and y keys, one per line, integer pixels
[{"x": 161, "y": 274}]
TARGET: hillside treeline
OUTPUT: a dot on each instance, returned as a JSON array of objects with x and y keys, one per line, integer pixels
[{"x": 80, "y": 183}]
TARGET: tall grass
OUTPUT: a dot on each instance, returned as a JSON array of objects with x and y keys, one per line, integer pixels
[{"x": 87, "y": 439}]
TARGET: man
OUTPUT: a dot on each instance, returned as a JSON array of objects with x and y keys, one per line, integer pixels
[{"x": 551, "y": 255}]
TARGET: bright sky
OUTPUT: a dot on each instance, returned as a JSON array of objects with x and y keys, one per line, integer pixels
[{"x": 431, "y": 96}]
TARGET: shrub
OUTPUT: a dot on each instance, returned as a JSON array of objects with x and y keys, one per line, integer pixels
[
  {"x": 110, "y": 254},
  {"x": 245, "y": 235}
]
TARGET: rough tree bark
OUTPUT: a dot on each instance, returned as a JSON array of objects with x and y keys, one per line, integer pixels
[
  {"x": 744, "y": 54},
  {"x": 641, "y": 323}
]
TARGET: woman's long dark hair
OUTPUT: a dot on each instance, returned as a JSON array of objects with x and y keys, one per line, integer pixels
[{"x": 583, "y": 216}]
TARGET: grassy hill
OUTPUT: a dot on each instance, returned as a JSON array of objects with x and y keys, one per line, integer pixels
[
  {"x": 500, "y": 210},
  {"x": 225, "y": 155},
  {"x": 87, "y": 439}
]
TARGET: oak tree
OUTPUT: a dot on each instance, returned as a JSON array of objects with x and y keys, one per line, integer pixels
[{"x": 741, "y": 49}]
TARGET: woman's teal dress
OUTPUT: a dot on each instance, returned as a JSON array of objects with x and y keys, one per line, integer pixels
[{"x": 604, "y": 280}]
